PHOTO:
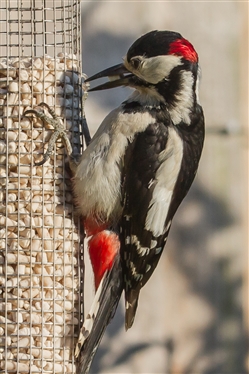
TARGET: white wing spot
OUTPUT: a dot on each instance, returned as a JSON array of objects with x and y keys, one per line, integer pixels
[
  {"x": 142, "y": 251},
  {"x": 138, "y": 277},
  {"x": 132, "y": 267},
  {"x": 127, "y": 305},
  {"x": 150, "y": 184},
  {"x": 148, "y": 267},
  {"x": 153, "y": 244},
  {"x": 158, "y": 250}
]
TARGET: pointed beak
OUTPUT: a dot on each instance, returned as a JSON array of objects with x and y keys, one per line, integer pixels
[{"x": 118, "y": 75}]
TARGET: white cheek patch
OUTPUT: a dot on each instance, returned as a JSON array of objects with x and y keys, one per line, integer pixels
[
  {"x": 166, "y": 177},
  {"x": 155, "y": 69}
]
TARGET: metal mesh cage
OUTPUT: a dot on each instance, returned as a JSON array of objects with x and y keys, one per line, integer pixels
[{"x": 40, "y": 244}]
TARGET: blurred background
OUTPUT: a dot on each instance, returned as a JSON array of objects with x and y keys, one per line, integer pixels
[{"x": 192, "y": 315}]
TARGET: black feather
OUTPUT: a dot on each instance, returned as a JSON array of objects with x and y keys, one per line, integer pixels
[
  {"x": 140, "y": 258},
  {"x": 111, "y": 292}
]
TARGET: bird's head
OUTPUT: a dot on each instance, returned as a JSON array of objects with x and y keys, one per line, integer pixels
[{"x": 161, "y": 65}]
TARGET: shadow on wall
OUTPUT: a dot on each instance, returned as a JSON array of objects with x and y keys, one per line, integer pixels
[
  {"x": 218, "y": 287},
  {"x": 213, "y": 278}
]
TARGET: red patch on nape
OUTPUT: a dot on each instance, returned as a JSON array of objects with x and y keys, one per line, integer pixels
[
  {"x": 103, "y": 248},
  {"x": 182, "y": 47}
]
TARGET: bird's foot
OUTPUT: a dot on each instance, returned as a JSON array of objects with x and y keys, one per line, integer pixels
[{"x": 59, "y": 132}]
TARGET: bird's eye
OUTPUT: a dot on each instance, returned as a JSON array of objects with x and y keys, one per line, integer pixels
[{"x": 136, "y": 63}]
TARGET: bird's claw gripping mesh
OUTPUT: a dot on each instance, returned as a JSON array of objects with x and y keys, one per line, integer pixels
[{"x": 59, "y": 130}]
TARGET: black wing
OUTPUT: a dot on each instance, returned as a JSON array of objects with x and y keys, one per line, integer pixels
[{"x": 141, "y": 248}]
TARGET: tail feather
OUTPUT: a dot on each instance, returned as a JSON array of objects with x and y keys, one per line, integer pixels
[
  {"x": 131, "y": 298},
  {"x": 102, "y": 311}
]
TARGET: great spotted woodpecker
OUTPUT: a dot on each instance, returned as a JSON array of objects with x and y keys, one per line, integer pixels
[{"x": 136, "y": 171}]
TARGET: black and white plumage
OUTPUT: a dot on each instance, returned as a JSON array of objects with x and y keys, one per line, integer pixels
[
  {"x": 136, "y": 171},
  {"x": 150, "y": 149},
  {"x": 158, "y": 176}
]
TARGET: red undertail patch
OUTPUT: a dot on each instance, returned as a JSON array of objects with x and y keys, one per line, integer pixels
[{"x": 103, "y": 247}]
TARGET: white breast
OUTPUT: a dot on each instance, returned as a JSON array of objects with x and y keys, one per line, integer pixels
[{"x": 97, "y": 181}]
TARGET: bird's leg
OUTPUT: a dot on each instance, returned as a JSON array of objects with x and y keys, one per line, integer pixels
[
  {"x": 59, "y": 132},
  {"x": 59, "y": 129}
]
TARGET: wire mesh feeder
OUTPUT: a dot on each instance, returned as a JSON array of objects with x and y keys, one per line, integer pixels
[{"x": 40, "y": 245}]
